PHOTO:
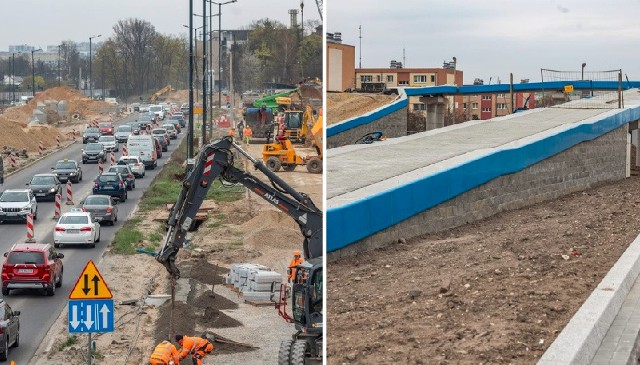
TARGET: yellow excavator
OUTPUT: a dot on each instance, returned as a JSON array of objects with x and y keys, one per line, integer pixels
[
  {"x": 282, "y": 153},
  {"x": 158, "y": 93}
]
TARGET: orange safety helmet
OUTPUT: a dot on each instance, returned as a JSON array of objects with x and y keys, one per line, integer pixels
[{"x": 296, "y": 253}]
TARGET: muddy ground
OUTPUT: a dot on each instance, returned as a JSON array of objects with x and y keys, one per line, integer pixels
[
  {"x": 493, "y": 292},
  {"x": 342, "y": 106}
]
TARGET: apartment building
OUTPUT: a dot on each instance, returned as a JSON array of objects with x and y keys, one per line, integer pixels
[{"x": 341, "y": 60}]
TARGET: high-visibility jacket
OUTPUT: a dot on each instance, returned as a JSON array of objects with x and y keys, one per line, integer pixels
[
  {"x": 232, "y": 132},
  {"x": 165, "y": 352},
  {"x": 248, "y": 132},
  {"x": 195, "y": 346},
  {"x": 292, "y": 267}
]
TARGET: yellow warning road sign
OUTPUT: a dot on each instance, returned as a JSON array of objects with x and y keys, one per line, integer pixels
[
  {"x": 197, "y": 110},
  {"x": 90, "y": 285}
]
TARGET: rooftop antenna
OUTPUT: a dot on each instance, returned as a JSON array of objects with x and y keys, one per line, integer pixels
[{"x": 360, "y": 36}]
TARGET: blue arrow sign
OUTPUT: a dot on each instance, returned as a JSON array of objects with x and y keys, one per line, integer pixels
[{"x": 91, "y": 315}]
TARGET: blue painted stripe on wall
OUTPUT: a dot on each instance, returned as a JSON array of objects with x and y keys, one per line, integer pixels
[
  {"x": 358, "y": 220},
  {"x": 348, "y": 124},
  {"x": 381, "y": 112}
]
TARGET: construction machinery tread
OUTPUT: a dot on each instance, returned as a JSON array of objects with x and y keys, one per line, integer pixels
[
  {"x": 299, "y": 352},
  {"x": 285, "y": 352}
]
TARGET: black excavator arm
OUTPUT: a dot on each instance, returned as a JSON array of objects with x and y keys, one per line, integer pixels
[{"x": 216, "y": 160}]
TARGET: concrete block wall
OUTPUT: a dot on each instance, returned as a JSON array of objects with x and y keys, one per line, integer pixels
[
  {"x": 392, "y": 125},
  {"x": 578, "y": 168}
]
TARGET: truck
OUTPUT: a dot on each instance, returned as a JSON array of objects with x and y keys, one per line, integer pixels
[{"x": 216, "y": 161}]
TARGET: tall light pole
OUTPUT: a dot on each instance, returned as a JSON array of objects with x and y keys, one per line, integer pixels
[
  {"x": 190, "y": 133},
  {"x": 453, "y": 104},
  {"x": 220, "y": 48},
  {"x": 584, "y": 64},
  {"x": 90, "y": 79},
  {"x": 211, "y": 15},
  {"x": 13, "y": 75},
  {"x": 204, "y": 72},
  {"x": 33, "y": 72},
  {"x": 59, "y": 72}
]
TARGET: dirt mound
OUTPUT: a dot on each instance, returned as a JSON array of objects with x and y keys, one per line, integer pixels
[
  {"x": 308, "y": 91},
  {"x": 77, "y": 103},
  {"x": 271, "y": 229},
  {"x": 343, "y": 106},
  {"x": 19, "y": 136}
]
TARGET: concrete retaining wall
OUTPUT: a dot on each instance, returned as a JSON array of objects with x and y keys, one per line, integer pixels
[
  {"x": 392, "y": 125},
  {"x": 602, "y": 159}
]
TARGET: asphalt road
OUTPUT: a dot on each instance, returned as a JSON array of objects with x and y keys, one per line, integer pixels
[{"x": 39, "y": 311}]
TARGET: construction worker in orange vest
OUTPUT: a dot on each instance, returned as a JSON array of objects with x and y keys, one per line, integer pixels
[
  {"x": 196, "y": 347},
  {"x": 232, "y": 133},
  {"x": 165, "y": 354},
  {"x": 297, "y": 260},
  {"x": 247, "y": 134}
]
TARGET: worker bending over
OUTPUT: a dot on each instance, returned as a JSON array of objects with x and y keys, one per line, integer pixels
[
  {"x": 165, "y": 354},
  {"x": 297, "y": 260},
  {"x": 196, "y": 347}
]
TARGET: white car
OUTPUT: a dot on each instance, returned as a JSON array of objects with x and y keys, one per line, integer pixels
[
  {"x": 78, "y": 228},
  {"x": 15, "y": 204},
  {"x": 110, "y": 143},
  {"x": 136, "y": 164}
]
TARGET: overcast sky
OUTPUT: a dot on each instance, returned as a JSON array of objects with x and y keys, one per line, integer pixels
[
  {"x": 492, "y": 38},
  {"x": 45, "y": 22}
]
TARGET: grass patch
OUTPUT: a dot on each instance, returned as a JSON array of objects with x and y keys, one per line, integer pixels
[
  {"x": 126, "y": 238},
  {"x": 155, "y": 238},
  {"x": 71, "y": 340}
]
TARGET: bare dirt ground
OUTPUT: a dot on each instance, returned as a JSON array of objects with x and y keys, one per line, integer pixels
[
  {"x": 246, "y": 230},
  {"x": 493, "y": 292},
  {"x": 342, "y": 106}
]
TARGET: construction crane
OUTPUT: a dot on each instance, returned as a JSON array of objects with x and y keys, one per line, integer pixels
[{"x": 319, "y": 4}]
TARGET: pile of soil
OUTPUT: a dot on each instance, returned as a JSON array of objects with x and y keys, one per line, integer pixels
[
  {"x": 272, "y": 229},
  {"x": 496, "y": 291},
  {"x": 343, "y": 106},
  {"x": 18, "y": 136},
  {"x": 77, "y": 103}
]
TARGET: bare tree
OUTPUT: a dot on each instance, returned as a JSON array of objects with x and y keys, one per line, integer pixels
[{"x": 135, "y": 38}]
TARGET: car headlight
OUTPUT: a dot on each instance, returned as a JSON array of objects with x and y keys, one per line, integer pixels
[
  {"x": 101, "y": 153},
  {"x": 72, "y": 174},
  {"x": 52, "y": 190},
  {"x": 26, "y": 208},
  {"x": 1, "y": 210},
  {"x": 84, "y": 153}
]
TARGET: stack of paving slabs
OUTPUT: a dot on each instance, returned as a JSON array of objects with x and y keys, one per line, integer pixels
[{"x": 257, "y": 283}]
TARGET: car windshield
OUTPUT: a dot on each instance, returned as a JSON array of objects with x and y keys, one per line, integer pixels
[
  {"x": 43, "y": 180},
  {"x": 65, "y": 165},
  {"x": 104, "y": 125},
  {"x": 74, "y": 219},
  {"x": 92, "y": 130},
  {"x": 160, "y": 137},
  {"x": 124, "y": 128},
  {"x": 36, "y": 258},
  {"x": 119, "y": 169},
  {"x": 158, "y": 131},
  {"x": 97, "y": 200},
  {"x": 108, "y": 178},
  {"x": 128, "y": 161},
  {"x": 107, "y": 139},
  {"x": 94, "y": 147},
  {"x": 168, "y": 126},
  {"x": 14, "y": 197},
  {"x": 155, "y": 108}
]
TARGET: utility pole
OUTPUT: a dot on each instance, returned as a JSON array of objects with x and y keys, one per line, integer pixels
[
  {"x": 360, "y": 36},
  {"x": 190, "y": 136},
  {"x": 59, "y": 72},
  {"x": 204, "y": 72},
  {"x": 90, "y": 80}
]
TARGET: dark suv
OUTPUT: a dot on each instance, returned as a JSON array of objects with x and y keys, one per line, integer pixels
[
  {"x": 110, "y": 183},
  {"x": 10, "y": 330},
  {"x": 32, "y": 266},
  {"x": 90, "y": 135}
]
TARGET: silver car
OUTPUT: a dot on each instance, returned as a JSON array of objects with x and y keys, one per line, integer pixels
[
  {"x": 171, "y": 129},
  {"x": 135, "y": 163},
  {"x": 110, "y": 143},
  {"x": 103, "y": 208},
  {"x": 123, "y": 132}
]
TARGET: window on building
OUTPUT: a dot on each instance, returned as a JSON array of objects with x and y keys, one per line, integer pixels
[
  {"x": 486, "y": 110},
  {"x": 501, "y": 106},
  {"x": 378, "y": 78},
  {"x": 464, "y": 105},
  {"x": 401, "y": 83},
  {"x": 474, "y": 106},
  {"x": 486, "y": 97},
  {"x": 389, "y": 78},
  {"x": 366, "y": 78},
  {"x": 433, "y": 78},
  {"x": 419, "y": 106},
  {"x": 420, "y": 79},
  {"x": 501, "y": 95}
]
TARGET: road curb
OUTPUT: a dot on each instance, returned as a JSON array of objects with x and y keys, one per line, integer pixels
[
  {"x": 580, "y": 339},
  {"x": 47, "y": 154}
]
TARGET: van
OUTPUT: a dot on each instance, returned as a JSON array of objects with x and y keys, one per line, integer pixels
[{"x": 145, "y": 147}]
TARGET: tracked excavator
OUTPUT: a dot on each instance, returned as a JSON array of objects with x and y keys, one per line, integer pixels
[{"x": 216, "y": 161}]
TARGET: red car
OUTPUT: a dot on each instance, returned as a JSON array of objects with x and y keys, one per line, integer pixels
[
  {"x": 32, "y": 266},
  {"x": 106, "y": 129}
]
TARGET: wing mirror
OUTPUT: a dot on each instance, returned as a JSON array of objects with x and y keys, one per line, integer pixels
[
  {"x": 16, "y": 313},
  {"x": 60, "y": 255},
  {"x": 6, "y": 254}
]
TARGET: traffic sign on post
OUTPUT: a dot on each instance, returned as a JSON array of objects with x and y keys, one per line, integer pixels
[
  {"x": 91, "y": 316},
  {"x": 90, "y": 285}
]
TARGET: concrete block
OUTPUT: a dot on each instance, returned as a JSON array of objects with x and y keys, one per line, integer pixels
[{"x": 258, "y": 296}]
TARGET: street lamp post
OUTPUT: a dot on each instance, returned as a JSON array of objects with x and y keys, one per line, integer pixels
[
  {"x": 33, "y": 72},
  {"x": 13, "y": 75},
  {"x": 90, "y": 79},
  {"x": 220, "y": 48},
  {"x": 584, "y": 64},
  {"x": 59, "y": 72},
  {"x": 204, "y": 72},
  {"x": 190, "y": 133}
]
